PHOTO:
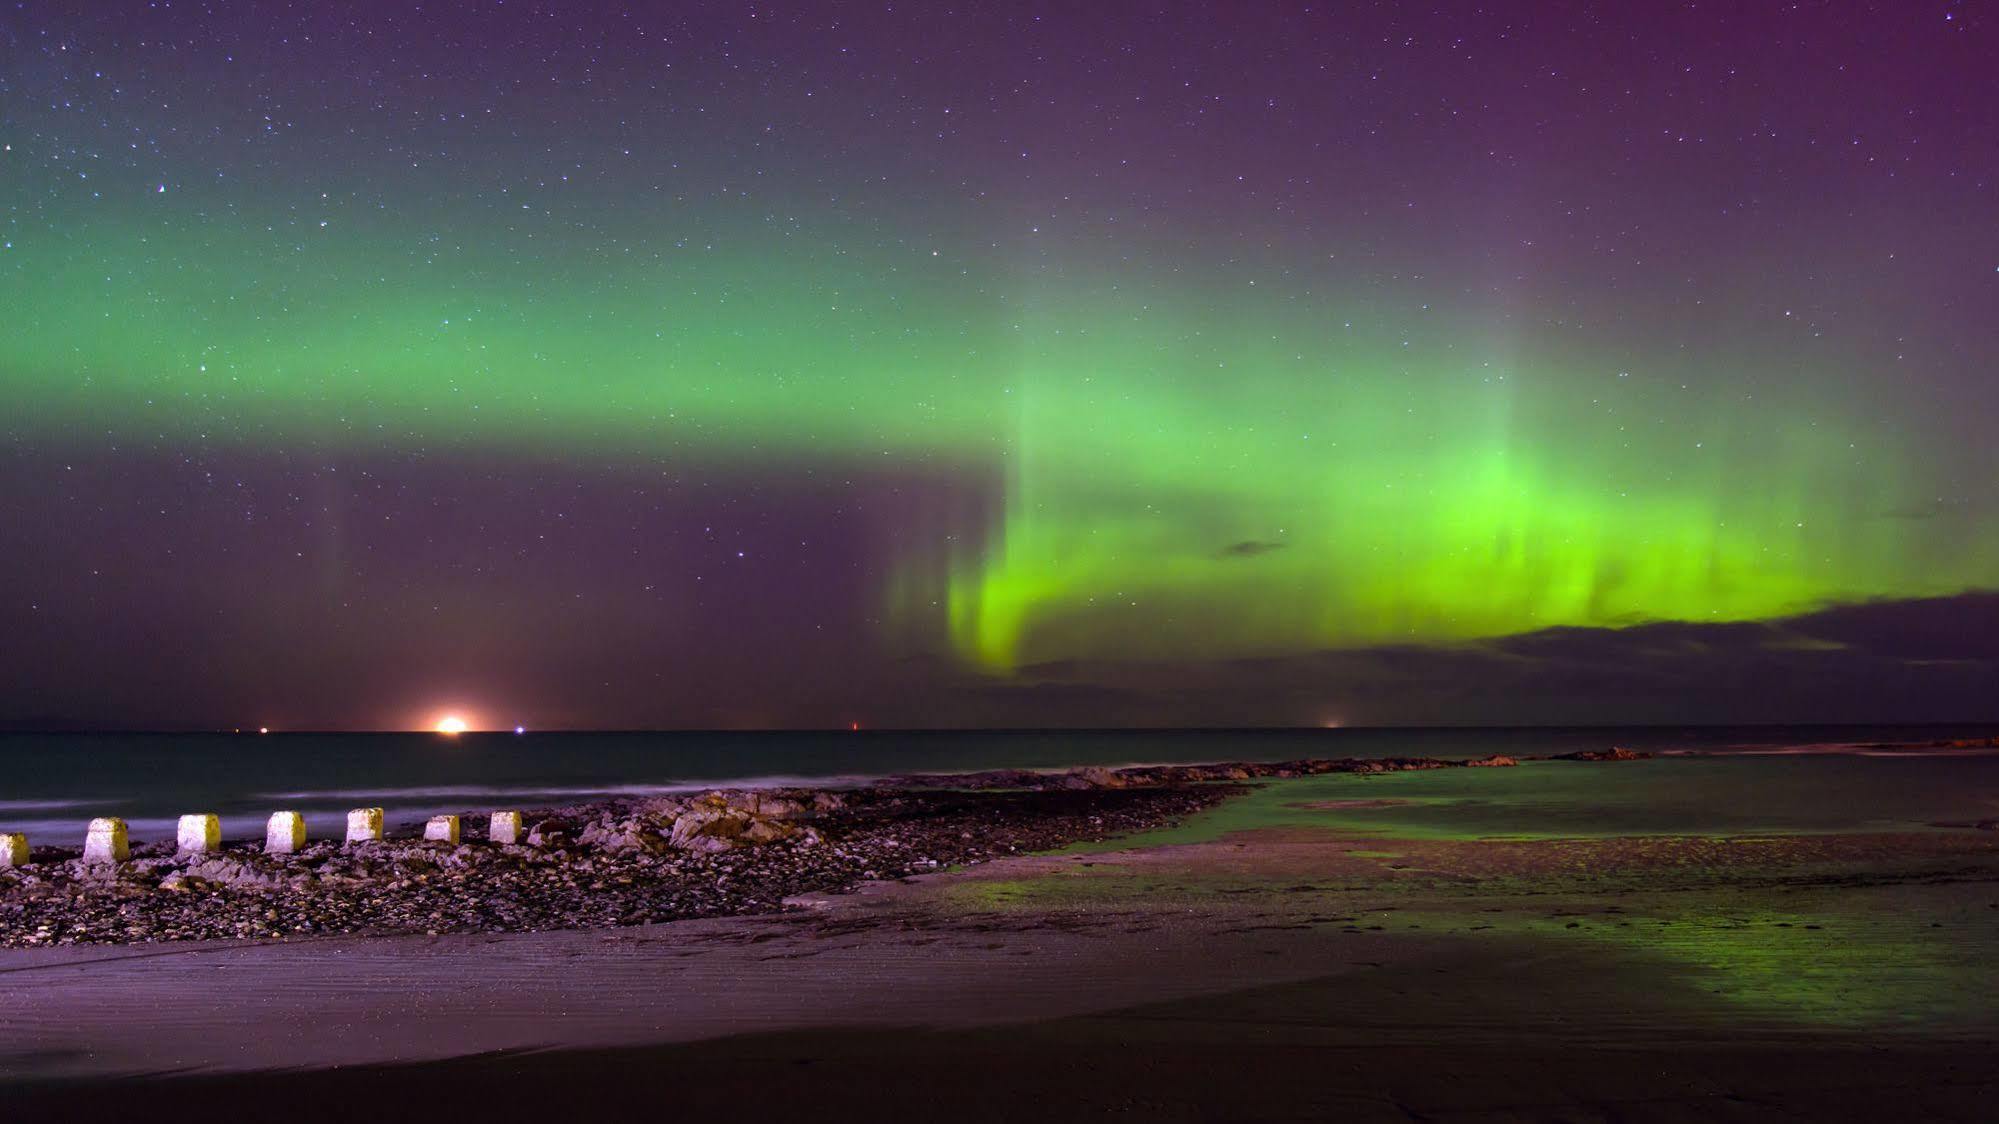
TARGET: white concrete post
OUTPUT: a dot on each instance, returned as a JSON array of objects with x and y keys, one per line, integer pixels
[
  {"x": 505, "y": 827},
  {"x": 442, "y": 829},
  {"x": 284, "y": 834},
  {"x": 364, "y": 825},
  {"x": 199, "y": 833},
  {"x": 106, "y": 841},
  {"x": 13, "y": 850}
]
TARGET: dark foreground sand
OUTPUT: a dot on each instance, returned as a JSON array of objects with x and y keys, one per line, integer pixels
[
  {"x": 1245, "y": 1056},
  {"x": 1262, "y": 976}
]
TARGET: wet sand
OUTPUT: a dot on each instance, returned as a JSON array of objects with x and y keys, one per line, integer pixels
[
  {"x": 1254, "y": 1055},
  {"x": 1278, "y": 973}
]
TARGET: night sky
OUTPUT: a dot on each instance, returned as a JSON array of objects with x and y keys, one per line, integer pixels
[{"x": 670, "y": 365}]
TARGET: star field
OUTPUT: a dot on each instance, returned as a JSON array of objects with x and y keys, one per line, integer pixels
[{"x": 804, "y": 363}]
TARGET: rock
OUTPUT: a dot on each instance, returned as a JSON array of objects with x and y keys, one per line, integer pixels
[
  {"x": 1096, "y": 776},
  {"x": 691, "y": 825},
  {"x": 549, "y": 833},
  {"x": 764, "y": 831},
  {"x": 1614, "y": 753},
  {"x": 709, "y": 829},
  {"x": 780, "y": 807},
  {"x": 216, "y": 870},
  {"x": 634, "y": 836},
  {"x": 1496, "y": 761}
]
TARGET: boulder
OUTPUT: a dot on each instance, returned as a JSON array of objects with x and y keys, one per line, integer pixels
[
  {"x": 1096, "y": 776},
  {"x": 549, "y": 833},
  {"x": 1614, "y": 753},
  {"x": 767, "y": 830},
  {"x": 633, "y": 834},
  {"x": 706, "y": 828},
  {"x": 776, "y": 805}
]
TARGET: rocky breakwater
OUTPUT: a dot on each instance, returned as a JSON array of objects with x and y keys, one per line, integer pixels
[
  {"x": 621, "y": 862},
  {"x": 1614, "y": 753},
  {"x": 584, "y": 866},
  {"x": 1153, "y": 776}
]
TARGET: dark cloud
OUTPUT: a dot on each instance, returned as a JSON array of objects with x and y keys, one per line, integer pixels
[
  {"x": 1249, "y": 548},
  {"x": 1934, "y": 659},
  {"x": 1965, "y": 627}
]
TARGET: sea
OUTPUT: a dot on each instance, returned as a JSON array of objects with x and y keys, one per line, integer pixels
[{"x": 1702, "y": 779}]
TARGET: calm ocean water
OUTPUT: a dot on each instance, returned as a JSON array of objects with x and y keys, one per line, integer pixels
[{"x": 1713, "y": 779}]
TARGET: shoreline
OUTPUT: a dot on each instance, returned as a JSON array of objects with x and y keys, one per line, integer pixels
[
  {"x": 1279, "y": 972},
  {"x": 622, "y": 862},
  {"x": 1178, "y": 981}
]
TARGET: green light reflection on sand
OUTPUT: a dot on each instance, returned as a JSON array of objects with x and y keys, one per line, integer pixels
[
  {"x": 1836, "y": 958},
  {"x": 1693, "y": 953},
  {"x": 1706, "y": 797},
  {"x": 1392, "y": 804},
  {"x": 1845, "y": 972}
]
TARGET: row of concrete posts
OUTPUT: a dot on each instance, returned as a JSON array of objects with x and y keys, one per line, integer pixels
[{"x": 107, "y": 840}]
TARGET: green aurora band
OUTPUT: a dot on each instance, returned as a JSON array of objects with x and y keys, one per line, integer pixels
[{"x": 1216, "y": 467}]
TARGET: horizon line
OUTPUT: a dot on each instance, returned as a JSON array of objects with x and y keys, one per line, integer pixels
[{"x": 167, "y": 731}]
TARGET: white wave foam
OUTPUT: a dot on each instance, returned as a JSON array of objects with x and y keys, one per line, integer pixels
[
  {"x": 557, "y": 792},
  {"x": 69, "y": 832},
  {"x": 1837, "y": 749}
]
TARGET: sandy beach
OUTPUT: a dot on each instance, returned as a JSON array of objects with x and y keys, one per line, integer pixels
[{"x": 1203, "y": 972}]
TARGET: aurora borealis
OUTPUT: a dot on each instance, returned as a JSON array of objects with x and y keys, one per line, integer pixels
[{"x": 815, "y": 363}]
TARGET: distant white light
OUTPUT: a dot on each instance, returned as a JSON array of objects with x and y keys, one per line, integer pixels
[{"x": 520, "y": 729}]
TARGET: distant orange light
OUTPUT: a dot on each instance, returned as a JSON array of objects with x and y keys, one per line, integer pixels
[{"x": 451, "y": 725}]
